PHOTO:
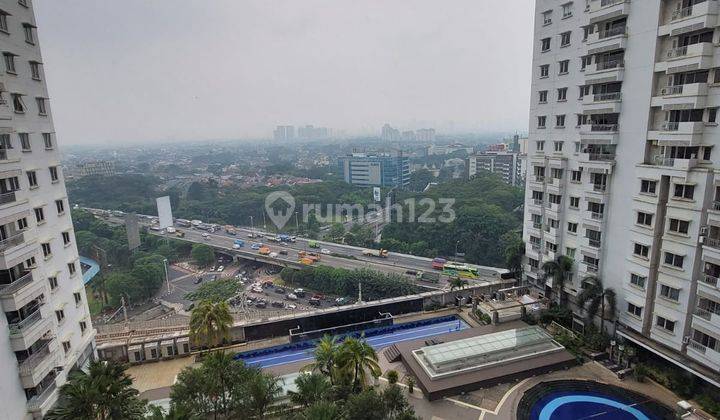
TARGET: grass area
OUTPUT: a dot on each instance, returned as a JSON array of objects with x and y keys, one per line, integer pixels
[{"x": 94, "y": 304}]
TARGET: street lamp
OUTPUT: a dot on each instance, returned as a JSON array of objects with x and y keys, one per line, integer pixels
[
  {"x": 456, "y": 248},
  {"x": 167, "y": 278}
]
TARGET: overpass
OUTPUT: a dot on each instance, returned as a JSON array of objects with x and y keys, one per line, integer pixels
[{"x": 341, "y": 255}]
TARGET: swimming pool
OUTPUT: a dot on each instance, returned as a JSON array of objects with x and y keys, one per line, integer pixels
[
  {"x": 377, "y": 337},
  {"x": 570, "y": 400}
]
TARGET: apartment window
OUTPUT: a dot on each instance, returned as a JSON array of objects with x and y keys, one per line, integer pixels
[
  {"x": 575, "y": 202},
  {"x": 5, "y": 142},
  {"x": 577, "y": 148},
  {"x": 637, "y": 280},
  {"x": 707, "y": 152},
  {"x": 539, "y": 146},
  {"x": 18, "y": 103},
  {"x": 39, "y": 215},
  {"x": 562, "y": 94},
  {"x": 545, "y": 44},
  {"x": 47, "y": 251},
  {"x": 53, "y": 282},
  {"x": 551, "y": 247},
  {"x": 545, "y": 70},
  {"x": 572, "y": 227},
  {"x": 684, "y": 191},
  {"x": 565, "y": 39},
  {"x": 553, "y": 223},
  {"x": 35, "y": 70},
  {"x": 66, "y": 238},
  {"x": 66, "y": 346},
  {"x": 564, "y": 67},
  {"x": 674, "y": 260},
  {"x": 42, "y": 110},
  {"x": 30, "y": 263},
  {"x": 556, "y": 173},
  {"x": 29, "y": 33},
  {"x": 32, "y": 179},
  {"x": 669, "y": 292},
  {"x": 78, "y": 297},
  {"x": 576, "y": 176},
  {"x": 543, "y": 96},
  {"x": 570, "y": 252},
  {"x": 644, "y": 219},
  {"x": 547, "y": 17},
  {"x": 60, "y": 315},
  {"x": 47, "y": 140},
  {"x": 558, "y": 146},
  {"x": 634, "y": 310},
  {"x": 647, "y": 186},
  {"x": 585, "y": 61},
  {"x": 71, "y": 268},
  {"x": 22, "y": 224},
  {"x": 567, "y": 10},
  {"x": 9, "y": 62},
  {"x": 60, "y": 206},
  {"x": 679, "y": 226},
  {"x": 665, "y": 324},
  {"x": 53, "y": 173},
  {"x": 541, "y": 121},
  {"x": 559, "y": 121},
  {"x": 83, "y": 326},
  {"x": 3, "y": 21},
  {"x": 555, "y": 199},
  {"x": 584, "y": 90},
  {"x": 24, "y": 142},
  {"x": 641, "y": 250},
  {"x": 712, "y": 115}
]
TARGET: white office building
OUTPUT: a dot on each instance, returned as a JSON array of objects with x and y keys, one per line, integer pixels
[
  {"x": 622, "y": 161},
  {"x": 45, "y": 329}
]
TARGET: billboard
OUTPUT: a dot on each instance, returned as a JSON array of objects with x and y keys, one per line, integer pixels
[
  {"x": 164, "y": 212},
  {"x": 133, "y": 231}
]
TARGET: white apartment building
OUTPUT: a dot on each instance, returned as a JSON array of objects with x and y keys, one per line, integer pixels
[
  {"x": 622, "y": 160},
  {"x": 45, "y": 328},
  {"x": 506, "y": 164}
]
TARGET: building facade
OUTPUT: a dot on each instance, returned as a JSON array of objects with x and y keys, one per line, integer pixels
[
  {"x": 376, "y": 170},
  {"x": 45, "y": 329},
  {"x": 506, "y": 164},
  {"x": 622, "y": 165},
  {"x": 97, "y": 168},
  {"x": 284, "y": 132}
]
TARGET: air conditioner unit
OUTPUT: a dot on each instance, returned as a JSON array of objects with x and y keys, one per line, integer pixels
[
  {"x": 701, "y": 240},
  {"x": 686, "y": 339},
  {"x": 703, "y": 230}
]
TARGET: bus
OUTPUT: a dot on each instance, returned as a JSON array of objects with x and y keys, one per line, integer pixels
[{"x": 461, "y": 270}]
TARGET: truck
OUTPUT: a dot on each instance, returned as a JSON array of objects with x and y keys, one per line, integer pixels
[
  {"x": 230, "y": 230},
  {"x": 381, "y": 253},
  {"x": 183, "y": 223},
  {"x": 264, "y": 250},
  {"x": 306, "y": 261},
  {"x": 313, "y": 244},
  {"x": 310, "y": 255}
]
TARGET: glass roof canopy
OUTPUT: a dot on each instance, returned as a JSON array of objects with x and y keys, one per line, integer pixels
[{"x": 482, "y": 351}]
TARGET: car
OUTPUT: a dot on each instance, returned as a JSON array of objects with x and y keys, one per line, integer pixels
[
  {"x": 239, "y": 242},
  {"x": 198, "y": 280},
  {"x": 283, "y": 252},
  {"x": 291, "y": 306},
  {"x": 250, "y": 235},
  {"x": 170, "y": 229},
  {"x": 318, "y": 296},
  {"x": 261, "y": 304},
  {"x": 279, "y": 290},
  {"x": 278, "y": 304},
  {"x": 341, "y": 301},
  {"x": 257, "y": 289},
  {"x": 291, "y": 296},
  {"x": 256, "y": 246},
  {"x": 236, "y": 246},
  {"x": 221, "y": 268},
  {"x": 299, "y": 292},
  {"x": 314, "y": 302},
  {"x": 325, "y": 251},
  {"x": 273, "y": 255},
  {"x": 205, "y": 235}
]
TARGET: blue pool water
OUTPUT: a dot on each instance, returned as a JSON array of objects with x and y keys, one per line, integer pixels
[
  {"x": 377, "y": 337},
  {"x": 587, "y": 406}
]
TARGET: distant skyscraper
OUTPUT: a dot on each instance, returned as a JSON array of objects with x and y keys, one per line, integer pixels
[
  {"x": 408, "y": 135},
  {"x": 45, "y": 328},
  {"x": 284, "y": 132},
  {"x": 425, "y": 134},
  {"x": 312, "y": 132},
  {"x": 376, "y": 170},
  {"x": 389, "y": 133}
]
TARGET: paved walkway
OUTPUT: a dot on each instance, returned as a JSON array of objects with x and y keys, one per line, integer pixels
[{"x": 160, "y": 374}]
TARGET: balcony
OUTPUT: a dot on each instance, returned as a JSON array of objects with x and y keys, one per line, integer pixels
[
  {"x": 599, "y": 188},
  {"x": 605, "y": 71},
  {"x": 537, "y": 201},
  {"x": 606, "y": 40},
  {"x": 706, "y": 320},
  {"x": 20, "y": 292},
  {"x": 606, "y": 133},
  {"x": 596, "y": 216},
  {"x": 17, "y": 248},
  {"x": 600, "y": 10},
  {"x": 602, "y": 103},
  {"x": 24, "y": 333},
  {"x": 696, "y": 56},
  {"x": 36, "y": 367},
  {"x": 696, "y": 17},
  {"x": 44, "y": 401},
  {"x": 689, "y": 132},
  {"x": 538, "y": 179},
  {"x": 689, "y": 96}
]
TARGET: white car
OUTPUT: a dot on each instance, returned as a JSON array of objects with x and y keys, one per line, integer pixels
[
  {"x": 171, "y": 229},
  {"x": 205, "y": 235},
  {"x": 236, "y": 246},
  {"x": 325, "y": 251},
  {"x": 273, "y": 255},
  {"x": 291, "y": 306},
  {"x": 221, "y": 268}
]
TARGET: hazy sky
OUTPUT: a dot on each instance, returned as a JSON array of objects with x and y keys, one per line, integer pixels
[{"x": 157, "y": 70}]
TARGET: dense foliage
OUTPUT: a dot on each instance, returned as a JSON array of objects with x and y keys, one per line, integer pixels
[
  {"x": 215, "y": 291},
  {"x": 487, "y": 220},
  {"x": 344, "y": 282}
]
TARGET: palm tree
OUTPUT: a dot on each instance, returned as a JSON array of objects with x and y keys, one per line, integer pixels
[
  {"x": 559, "y": 269},
  {"x": 321, "y": 410},
  {"x": 457, "y": 283},
  {"x": 311, "y": 388},
  {"x": 105, "y": 392},
  {"x": 594, "y": 296},
  {"x": 262, "y": 391},
  {"x": 210, "y": 323},
  {"x": 358, "y": 358},
  {"x": 325, "y": 353}
]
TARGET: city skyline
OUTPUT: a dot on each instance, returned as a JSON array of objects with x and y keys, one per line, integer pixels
[{"x": 406, "y": 66}]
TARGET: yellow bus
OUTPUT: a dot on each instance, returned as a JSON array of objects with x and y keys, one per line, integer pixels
[{"x": 460, "y": 270}]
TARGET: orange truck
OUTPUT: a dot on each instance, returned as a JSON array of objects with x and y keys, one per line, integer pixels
[
  {"x": 264, "y": 250},
  {"x": 309, "y": 255},
  {"x": 306, "y": 261}
]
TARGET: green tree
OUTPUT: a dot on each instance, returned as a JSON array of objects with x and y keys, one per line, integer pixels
[
  {"x": 326, "y": 353},
  {"x": 210, "y": 323},
  {"x": 336, "y": 232},
  {"x": 202, "y": 254},
  {"x": 597, "y": 300},
  {"x": 262, "y": 391},
  {"x": 420, "y": 179},
  {"x": 82, "y": 219},
  {"x": 367, "y": 405},
  {"x": 514, "y": 251},
  {"x": 360, "y": 359},
  {"x": 457, "y": 283},
  {"x": 105, "y": 392},
  {"x": 559, "y": 270},
  {"x": 321, "y": 410},
  {"x": 311, "y": 388}
]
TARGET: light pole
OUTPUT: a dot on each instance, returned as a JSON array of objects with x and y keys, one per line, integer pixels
[
  {"x": 251, "y": 224},
  {"x": 296, "y": 222},
  {"x": 167, "y": 278},
  {"x": 456, "y": 248}
]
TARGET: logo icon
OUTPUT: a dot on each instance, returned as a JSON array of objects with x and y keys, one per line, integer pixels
[{"x": 279, "y": 206}]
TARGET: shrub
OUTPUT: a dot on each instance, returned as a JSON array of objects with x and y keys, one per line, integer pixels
[
  {"x": 410, "y": 382},
  {"x": 392, "y": 376},
  {"x": 640, "y": 372}
]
